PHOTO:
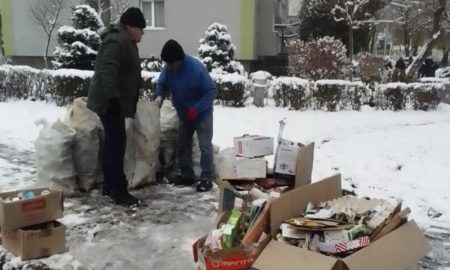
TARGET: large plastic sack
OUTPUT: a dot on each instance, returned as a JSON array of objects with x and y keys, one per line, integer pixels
[
  {"x": 54, "y": 160},
  {"x": 86, "y": 150},
  {"x": 142, "y": 150},
  {"x": 226, "y": 164},
  {"x": 169, "y": 127}
]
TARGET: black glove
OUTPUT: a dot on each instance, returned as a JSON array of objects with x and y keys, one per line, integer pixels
[{"x": 114, "y": 107}]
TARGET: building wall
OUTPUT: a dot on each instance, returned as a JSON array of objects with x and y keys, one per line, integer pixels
[
  {"x": 267, "y": 41},
  {"x": 7, "y": 31},
  {"x": 28, "y": 38},
  {"x": 249, "y": 23},
  {"x": 187, "y": 21}
]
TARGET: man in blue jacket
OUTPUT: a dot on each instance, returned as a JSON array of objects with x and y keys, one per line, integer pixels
[{"x": 193, "y": 93}]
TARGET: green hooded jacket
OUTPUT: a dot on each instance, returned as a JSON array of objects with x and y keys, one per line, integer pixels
[{"x": 117, "y": 73}]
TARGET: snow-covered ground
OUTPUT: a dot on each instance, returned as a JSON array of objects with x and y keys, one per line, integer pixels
[{"x": 379, "y": 153}]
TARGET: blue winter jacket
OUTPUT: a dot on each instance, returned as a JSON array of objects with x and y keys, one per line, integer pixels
[{"x": 190, "y": 86}]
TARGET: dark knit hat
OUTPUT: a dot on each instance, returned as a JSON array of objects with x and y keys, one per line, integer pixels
[
  {"x": 172, "y": 52},
  {"x": 133, "y": 17}
]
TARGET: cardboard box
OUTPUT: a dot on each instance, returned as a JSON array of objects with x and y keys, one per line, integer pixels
[
  {"x": 250, "y": 168},
  {"x": 303, "y": 171},
  {"x": 253, "y": 146},
  {"x": 236, "y": 258},
  {"x": 399, "y": 249},
  {"x": 31, "y": 243},
  {"x": 286, "y": 158},
  {"x": 40, "y": 209}
]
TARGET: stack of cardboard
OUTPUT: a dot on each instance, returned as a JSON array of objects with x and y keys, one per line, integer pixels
[
  {"x": 250, "y": 152},
  {"x": 240, "y": 200},
  {"x": 309, "y": 226},
  {"x": 28, "y": 223}
]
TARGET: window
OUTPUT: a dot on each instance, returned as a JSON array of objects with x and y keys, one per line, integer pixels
[{"x": 154, "y": 13}]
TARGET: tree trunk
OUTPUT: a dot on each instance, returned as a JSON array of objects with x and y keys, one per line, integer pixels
[
  {"x": 406, "y": 35},
  {"x": 46, "y": 50},
  {"x": 412, "y": 69},
  {"x": 373, "y": 34},
  {"x": 350, "y": 47},
  {"x": 444, "y": 60},
  {"x": 106, "y": 15}
]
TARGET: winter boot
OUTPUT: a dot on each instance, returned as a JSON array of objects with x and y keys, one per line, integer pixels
[
  {"x": 204, "y": 185},
  {"x": 183, "y": 181}
]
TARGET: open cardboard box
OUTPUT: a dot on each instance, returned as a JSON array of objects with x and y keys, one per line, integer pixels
[
  {"x": 36, "y": 241},
  {"x": 399, "y": 249},
  {"x": 305, "y": 159},
  {"x": 238, "y": 257},
  {"x": 22, "y": 213}
]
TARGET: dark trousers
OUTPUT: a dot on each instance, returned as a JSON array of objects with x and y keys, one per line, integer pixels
[
  {"x": 114, "y": 154},
  {"x": 204, "y": 129}
]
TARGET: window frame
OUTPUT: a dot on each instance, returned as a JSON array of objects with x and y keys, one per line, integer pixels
[{"x": 152, "y": 26}]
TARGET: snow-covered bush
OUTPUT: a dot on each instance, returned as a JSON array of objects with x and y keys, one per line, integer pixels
[
  {"x": 418, "y": 96},
  {"x": 335, "y": 95},
  {"x": 393, "y": 96},
  {"x": 78, "y": 45},
  {"x": 148, "y": 86},
  {"x": 324, "y": 58},
  {"x": 217, "y": 52},
  {"x": 290, "y": 92},
  {"x": 426, "y": 96},
  {"x": 371, "y": 68},
  {"x": 152, "y": 64},
  {"x": 232, "y": 89},
  {"x": 443, "y": 72}
]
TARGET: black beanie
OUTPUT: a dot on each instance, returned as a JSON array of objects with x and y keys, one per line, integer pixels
[
  {"x": 133, "y": 17},
  {"x": 172, "y": 52}
]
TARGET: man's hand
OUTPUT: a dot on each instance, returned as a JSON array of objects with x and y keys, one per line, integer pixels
[
  {"x": 159, "y": 101},
  {"x": 114, "y": 107},
  {"x": 191, "y": 114}
]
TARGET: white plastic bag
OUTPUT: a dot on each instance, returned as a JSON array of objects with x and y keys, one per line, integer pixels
[
  {"x": 142, "y": 150},
  {"x": 86, "y": 151},
  {"x": 54, "y": 161},
  {"x": 169, "y": 127}
]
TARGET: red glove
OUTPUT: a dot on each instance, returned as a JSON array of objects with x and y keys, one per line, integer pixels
[{"x": 191, "y": 114}]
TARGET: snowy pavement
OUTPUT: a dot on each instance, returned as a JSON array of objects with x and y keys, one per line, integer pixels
[{"x": 401, "y": 154}]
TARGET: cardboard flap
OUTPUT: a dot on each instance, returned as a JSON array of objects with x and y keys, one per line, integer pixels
[
  {"x": 399, "y": 249},
  {"x": 227, "y": 196},
  {"x": 305, "y": 160},
  {"x": 294, "y": 202},
  {"x": 278, "y": 255}
]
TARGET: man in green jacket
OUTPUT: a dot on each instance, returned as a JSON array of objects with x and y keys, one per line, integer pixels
[{"x": 113, "y": 95}]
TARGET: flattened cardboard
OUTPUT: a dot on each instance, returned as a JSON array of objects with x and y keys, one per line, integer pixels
[
  {"x": 278, "y": 255},
  {"x": 294, "y": 202},
  {"x": 36, "y": 243},
  {"x": 305, "y": 160},
  {"x": 400, "y": 218},
  {"x": 399, "y": 249}
]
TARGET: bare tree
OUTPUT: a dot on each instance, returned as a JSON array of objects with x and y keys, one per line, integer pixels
[
  {"x": 351, "y": 12},
  {"x": 2, "y": 48},
  {"x": 439, "y": 15},
  {"x": 109, "y": 10},
  {"x": 46, "y": 14}
]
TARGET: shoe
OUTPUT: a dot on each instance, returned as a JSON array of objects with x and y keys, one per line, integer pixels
[
  {"x": 183, "y": 181},
  {"x": 125, "y": 200},
  {"x": 204, "y": 186}
]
